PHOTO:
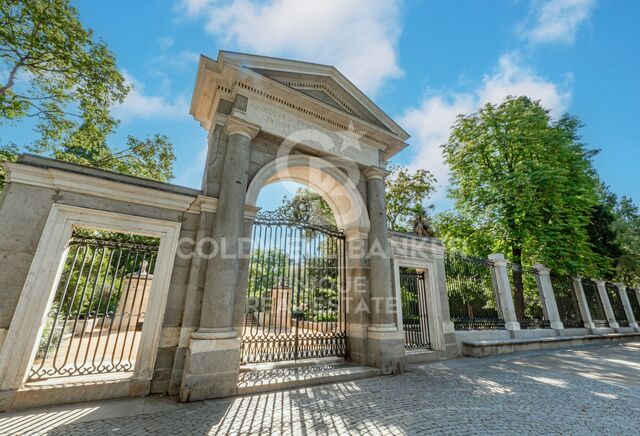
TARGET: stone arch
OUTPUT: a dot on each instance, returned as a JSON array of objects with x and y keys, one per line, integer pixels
[{"x": 337, "y": 189}]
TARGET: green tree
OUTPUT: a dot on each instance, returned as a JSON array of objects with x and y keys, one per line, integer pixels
[
  {"x": 8, "y": 153},
  {"x": 602, "y": 232},
  {"x": 405, "y": 196},
  {"x": 59, "y": 75},
  {"x": 627, "y": 228},
  {"x": 460, "y": 234},
  {"x": 309, "y": 206},
  {"x": 526, "y": 181}
]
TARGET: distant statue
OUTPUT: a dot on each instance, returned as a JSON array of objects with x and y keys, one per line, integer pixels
[{"x": 421, "y": 226}]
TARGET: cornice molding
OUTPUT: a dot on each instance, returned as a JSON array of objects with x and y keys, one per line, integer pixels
[
  {"x": 66, "y": 181},
  {"x": 85, "y": 184}
]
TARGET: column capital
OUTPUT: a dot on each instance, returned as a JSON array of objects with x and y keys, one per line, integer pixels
[
  {"x": 599, "y": 282},
  {"x": 375, "y": 173},
  {"x": 238, "y": 126},
  {"x": 541, "y": 269},
  {"x": 620, "y": 286}
]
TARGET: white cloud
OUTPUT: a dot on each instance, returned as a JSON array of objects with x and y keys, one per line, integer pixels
[
  {"x": 140, "y": 105},
  {"x": 430, "y": 123},
  {"x": 513, "y": 78},
  {"x": 556, "y": 21},
  {"x": 359, "y": 37}
]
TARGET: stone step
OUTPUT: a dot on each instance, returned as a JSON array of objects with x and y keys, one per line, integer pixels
[
  {"x": 275, "y": 379},
  {"x": 484, "y": 348}
]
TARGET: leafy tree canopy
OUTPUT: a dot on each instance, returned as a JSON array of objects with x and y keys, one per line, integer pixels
[
  {"x": 58, "y": 74},
  {"x": 406, "y": 192},
  {"x": 307, "y": 205},
  {"x": 627, "y": 230},
  {"x": 523, "y": 184},
  {"x": 8, "y": 153}
]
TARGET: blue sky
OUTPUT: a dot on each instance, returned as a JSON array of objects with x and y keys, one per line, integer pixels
[{"x": 422, "y": 61}]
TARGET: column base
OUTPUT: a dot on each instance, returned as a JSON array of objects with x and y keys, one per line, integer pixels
[
  {"x": 211, "y": 369},
  {"x": 385, "y": 349},
  {"x": 6, "y": 400},
  {"x": 557, "y": 325},
  {"x": 633, "y": 325},
  {"x": 589, "y": 325},
  {"x": 614, "y": 325}
]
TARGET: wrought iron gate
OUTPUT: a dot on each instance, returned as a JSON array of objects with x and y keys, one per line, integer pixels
[
  {"x": 95, "y": 320},
  {"x": 296, "y": 307},
  {"x": 415, "y": 319}
]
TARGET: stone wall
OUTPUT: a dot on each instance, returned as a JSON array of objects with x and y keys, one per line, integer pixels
[{"x": 24, "y": 211}]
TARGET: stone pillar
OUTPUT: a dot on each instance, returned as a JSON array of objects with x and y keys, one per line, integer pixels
[
  {"x": 280, "y": 308},
  {"x": 606, "y": 304},
  {"x": 502, "y": 289},
  {"x": 585, "y": 313},
  {"x": 212, "y": 363},
  {"x": 357, "y": 282},
  {"x": 628, "y": 310},
  {"x": 385, "y": 339},
  {"x": 547, "y": 297},
  {"x": 138, "y": 287}
]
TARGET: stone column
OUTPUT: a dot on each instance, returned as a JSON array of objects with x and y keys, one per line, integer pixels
[
  {"x": 547, "y": 297},
  {"x": 385, "y": 339},
  {"x": 502, "y": 289},
  {"x": 628, "y": 310},
  {"x": 585, "y": 313},
  {"x": 606, "y": 304},
  {"x": 357, "y": 283},
  {"x": 212, "y": 363}
]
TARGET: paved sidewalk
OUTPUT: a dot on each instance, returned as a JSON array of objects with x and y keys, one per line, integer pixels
[{"x": 584, "y": 390}]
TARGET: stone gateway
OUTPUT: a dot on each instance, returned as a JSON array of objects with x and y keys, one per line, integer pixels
[
  {"x": 115, "y": 286},
  {"x": 183, "y": 318}
]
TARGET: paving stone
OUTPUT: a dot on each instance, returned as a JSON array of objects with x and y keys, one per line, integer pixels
[{"x": 584, "y": 390}]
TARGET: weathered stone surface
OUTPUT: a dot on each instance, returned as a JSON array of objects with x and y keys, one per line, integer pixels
[{"x": 211, "y": 369}]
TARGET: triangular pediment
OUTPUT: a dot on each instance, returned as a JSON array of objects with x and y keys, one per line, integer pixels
[
  {"x": 317, "y": 91},
  {"x": 324, "y": 89}
]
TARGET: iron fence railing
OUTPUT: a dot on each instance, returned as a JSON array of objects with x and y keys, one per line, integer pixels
[
  {"x": 98, "y": 311},
  {"x": 594, "y": 303},
  {"x": 472, "y": 300},
  {"x": 635, "y": 304},
  {"x": 566, "y": 301},
  {"x": 616, "y": 304},
  {"x": 526, "y": 297}
]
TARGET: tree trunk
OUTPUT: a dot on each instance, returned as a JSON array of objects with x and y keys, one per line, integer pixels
[{"x": 518, "y": 284}]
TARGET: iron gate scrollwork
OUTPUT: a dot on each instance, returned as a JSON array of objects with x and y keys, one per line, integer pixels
[{"x": 296, "y": 307}]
